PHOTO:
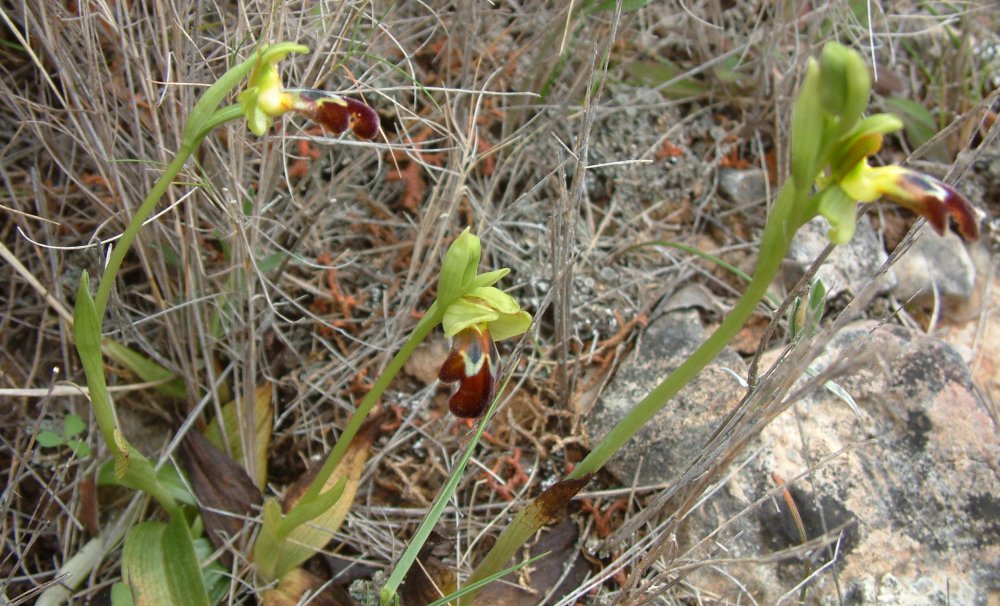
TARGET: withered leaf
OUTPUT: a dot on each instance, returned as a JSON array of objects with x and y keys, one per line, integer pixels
[
  {"x": 564, "y": 563},
  {"x": 293, "y": 587},
  {"x": 429, "y": 579},
  {"x": 548, "y": 506},
  {"x": 305, "y": 540},
  {"x": 225, "y": 492}
]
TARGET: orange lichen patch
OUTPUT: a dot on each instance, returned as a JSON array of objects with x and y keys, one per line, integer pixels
[
  {"x": 733, "y": 159},
  {"x": 603, "y": 518},
  {"x": 410, "y": 173},
  {"x": 343, "y": 302},
  {"x": 306, "y": 154},
  {"x": 414, "y": 185},
  {"x": 509, "y": 468},
  {"x": 668, "y": 150}
]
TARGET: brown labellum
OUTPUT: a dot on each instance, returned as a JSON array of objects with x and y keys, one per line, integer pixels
[
  {"x": 475, "y": 364},
  {"x": 337, "y": 114}
]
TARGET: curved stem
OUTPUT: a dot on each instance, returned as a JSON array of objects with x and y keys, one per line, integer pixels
[
  {"x": 122, "y": 246},
  {"x": 767, "y": 268},
  {"x": 790, "y": 211},
  {"x": 431, "y": 319}
]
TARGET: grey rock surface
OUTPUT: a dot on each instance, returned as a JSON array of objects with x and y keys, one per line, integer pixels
[
  {"x": 912, "y": 484},
  {"x": 849, "y": 268},
  {"x": 935, "y": 262}
]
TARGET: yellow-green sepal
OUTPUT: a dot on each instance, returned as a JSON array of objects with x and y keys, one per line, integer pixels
[
  {"x": 459, "y": 267},
  {"x": 846, "y": 85},
  {"x": 808, "y": 129}
]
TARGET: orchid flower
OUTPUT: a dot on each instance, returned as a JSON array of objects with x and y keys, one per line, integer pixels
[
  {"x": 476, "y": 315},
  {"x": 265, "y": 98},
  {"x": 838, "y": 87}
]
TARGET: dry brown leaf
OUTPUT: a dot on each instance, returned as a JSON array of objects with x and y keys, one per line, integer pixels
[
  {"x": 225, "y": 492},
  {"x": 295, "y": 584}
]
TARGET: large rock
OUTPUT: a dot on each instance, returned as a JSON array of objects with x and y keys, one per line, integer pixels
[{"x": 913, "y": 485}]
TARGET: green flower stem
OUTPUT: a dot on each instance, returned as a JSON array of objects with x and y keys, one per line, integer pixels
[
  {"x": 776, "y": 240},
  {"x": 791, "y": 209},
  {"x": 642, "y": 412},
  {"x": 431, "y": 319},
  {"x": 124, "y": 243}
]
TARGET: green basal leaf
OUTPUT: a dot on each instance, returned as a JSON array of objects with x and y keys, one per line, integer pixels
[
  {"x": 266, "y": 549},
  {"x": 160, "y": 566},
  {"x": 49, "y": 439},
  {"x": 216, "y": 578},
  {"x": 309, "y": 509},
  {"x": 121, "y": 595},
  {"x": 73, "y": 425},
  {"x": 146, "y": 369}
]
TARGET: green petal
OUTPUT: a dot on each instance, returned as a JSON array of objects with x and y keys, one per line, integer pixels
[
  {"x": 882, "y": 124},
  {"x": 489, "y": 278},
  {"x": 841, "y": 211},
  {"x": 464, "y": 313},
  {"x": 495, "y": 298},
  {"x": 510, "y": 325}
]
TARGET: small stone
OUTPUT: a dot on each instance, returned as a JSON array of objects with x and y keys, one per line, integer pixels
[
  {"x": 743, "y": 186},
  {"x": 935, "y": 262},
  {"x": 849, "y": 267}
]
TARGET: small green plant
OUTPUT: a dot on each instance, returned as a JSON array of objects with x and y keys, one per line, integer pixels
[{"x": 72, "y": 427}]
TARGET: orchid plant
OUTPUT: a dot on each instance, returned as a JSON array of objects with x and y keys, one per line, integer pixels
[
  {"x": 160, "y": 563},
  {"x": 831, "y": 145}
]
